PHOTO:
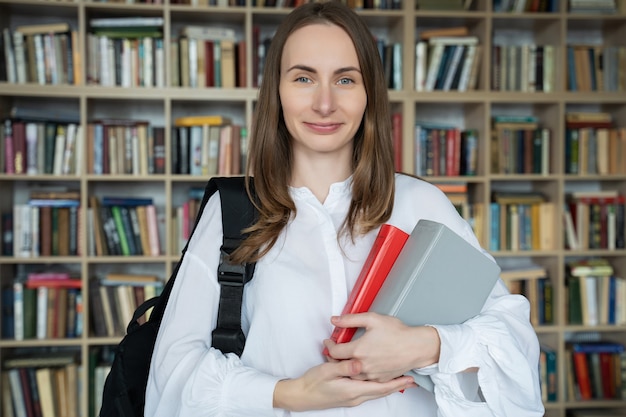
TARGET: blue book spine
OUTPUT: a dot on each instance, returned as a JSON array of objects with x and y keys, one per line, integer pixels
[
  {"x": 494, "y": 242},
  {"x": 126, "y": 201}
]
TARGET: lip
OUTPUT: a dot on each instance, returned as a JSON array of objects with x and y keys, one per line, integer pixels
[{"x": 324, "y": 128}]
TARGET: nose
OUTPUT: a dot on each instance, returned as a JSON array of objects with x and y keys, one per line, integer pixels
[{"x": 324, "y": 99}]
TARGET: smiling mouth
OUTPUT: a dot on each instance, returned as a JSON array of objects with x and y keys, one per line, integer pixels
[{"x": 324, "y": 127}]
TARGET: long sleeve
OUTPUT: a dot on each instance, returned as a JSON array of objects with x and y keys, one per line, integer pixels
[
  {"x": 503, "y": 346},
  {"x": 500, "y": 341},
  {"x": 187, "y": 376}
]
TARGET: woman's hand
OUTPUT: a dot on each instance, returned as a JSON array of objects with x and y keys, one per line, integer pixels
[
  {"x": 388, "y": 348},
  {"x": 331, "y": 385}
]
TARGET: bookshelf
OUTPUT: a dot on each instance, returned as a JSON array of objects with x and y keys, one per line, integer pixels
[{"x": 474, "y": 109}]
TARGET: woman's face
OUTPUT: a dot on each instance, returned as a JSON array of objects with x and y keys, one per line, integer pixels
[{"x": 321, "y": 91}]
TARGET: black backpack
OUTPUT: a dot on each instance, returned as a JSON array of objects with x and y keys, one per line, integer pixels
[{"x": 125, "y": 386}]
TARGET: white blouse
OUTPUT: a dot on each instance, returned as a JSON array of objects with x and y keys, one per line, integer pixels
[{"x": 304, "y": 280}]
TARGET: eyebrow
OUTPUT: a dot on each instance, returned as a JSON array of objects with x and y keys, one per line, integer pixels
[{"x": 313, "y": 70}]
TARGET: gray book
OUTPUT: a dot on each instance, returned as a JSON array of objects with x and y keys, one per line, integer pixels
[{"x": 438, "y": 278}]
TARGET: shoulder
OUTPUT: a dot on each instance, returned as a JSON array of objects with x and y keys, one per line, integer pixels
[
  {"x": 414, "y": 190},
  {"x": 417, "y": 199}
]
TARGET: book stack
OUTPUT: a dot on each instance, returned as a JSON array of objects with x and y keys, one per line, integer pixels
[
  {"x": 595, "y": 294},
  {"x": 521, "y": 221},
  {"x": 528, "y": 67},
  {"x": 46, "y": 305},
  {"x": 208, "y": 56},
  {"x": 593, "y": 145},
  {"x": 125, "y": 226},
  {"x": 548, "y": 374},
  {"x": 42, "y": 384},
  {"x": 596, "y": 370},
  {"x": 596, "y": 220},
  {"x": 114, "y": 299},
  {"x": 422, "y": 286},
  {"x": 445, "y": 150},
  {"x": 207, "y": 145},
  {"x": 533, "y": 282},
  {"x": 126, "y": 52},
  {"x": 35, "y": 147},
  {"x": 125, "y": 146},
  {"x": 47, "y": 225},
  {"x": 447, "y": 59},
  {"x": 519, "y": 145},
  {"x": 45, "y": 54}
]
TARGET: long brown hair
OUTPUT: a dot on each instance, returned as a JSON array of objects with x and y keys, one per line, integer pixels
[{"x": 270, "y": 153}]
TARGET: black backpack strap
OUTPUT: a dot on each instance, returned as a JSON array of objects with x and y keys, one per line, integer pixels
[{"x": 238, "y": 212}]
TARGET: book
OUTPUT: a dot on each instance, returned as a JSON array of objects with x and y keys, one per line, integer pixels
[
  {"x": 201, "y": 120},
  {"x": 424, "y": 287},
  {"x": 386, "y": 248},
  {"x": 45, "y": 28}
]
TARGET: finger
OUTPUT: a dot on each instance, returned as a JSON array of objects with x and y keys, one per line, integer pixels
[
  {"x": 343, "y": 369},
  {"x": 352, "y": 320},
  {"x": 341, "y": 351}
]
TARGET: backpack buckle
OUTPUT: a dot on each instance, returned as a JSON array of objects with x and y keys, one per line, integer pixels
[{"x": 232, "y": 274}]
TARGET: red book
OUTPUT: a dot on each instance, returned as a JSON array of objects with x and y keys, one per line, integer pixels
[
  {"x": 583, "y": 378},
  {"x": 385, "y": 250}
]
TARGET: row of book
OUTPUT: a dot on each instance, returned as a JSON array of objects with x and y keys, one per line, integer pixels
[
  {"x": 595, "y": 220},
  {"x": 445, "y": 63},
  {"x": 36, "y": 147},
  {"x": 41, "y": 54},
  {"x": 208, "y": 57},
  {"x": 126, "y": 52},
  {"x": 46, "y": 305},
  {"x": 131, "y": 147},
  {"x": 442, "y": 150},
  {"x": 595, "y": 151},
  {"x": 547, "y": 373},
  {"x": 41, "y": 385},
  {"x": 533, "y": 282},
  {"x": 122, "y": 147},
  {"x": 525, "y": 68},
  {"x": 593, "y": 144},
  {"x": 45, "y": 227},
  {"x": 596, "y": 68},
  {"x": 521, "y": 221},
  {"x": 184, "y": 218},
  {"x": 595, "y": 294},
  {"x": 125, "y": 62},
  {"x": 596, "y": 6},
  {"x": 115, "y": 297},
  {"x": 525, "y": 6},
  {"x": 122, "y": 226},
  {"x": 472, "y": 212},
  {"x": 208, "y": 145},
  {"x": 595, "y": 371},
  {"x": 520, "y": 146}
]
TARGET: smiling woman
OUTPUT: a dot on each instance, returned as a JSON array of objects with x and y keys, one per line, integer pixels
[
  {"x": 323, "y": 99},
  {"x": 321, "y": 162}
]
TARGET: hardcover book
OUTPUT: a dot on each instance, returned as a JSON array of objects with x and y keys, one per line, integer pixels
[
  {"x": 438, "y": 278},
  {"x": 386, "y": 248}
]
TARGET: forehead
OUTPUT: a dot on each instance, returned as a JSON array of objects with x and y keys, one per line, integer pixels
[{"x": 317, "y": 42}]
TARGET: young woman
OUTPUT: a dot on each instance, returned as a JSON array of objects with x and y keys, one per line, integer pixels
[{"x": 321, "y": 159}]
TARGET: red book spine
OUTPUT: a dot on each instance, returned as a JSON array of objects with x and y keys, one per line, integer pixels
[
  {"x": 581, "y": 369},
  {"x": 384, "y": 252}
]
